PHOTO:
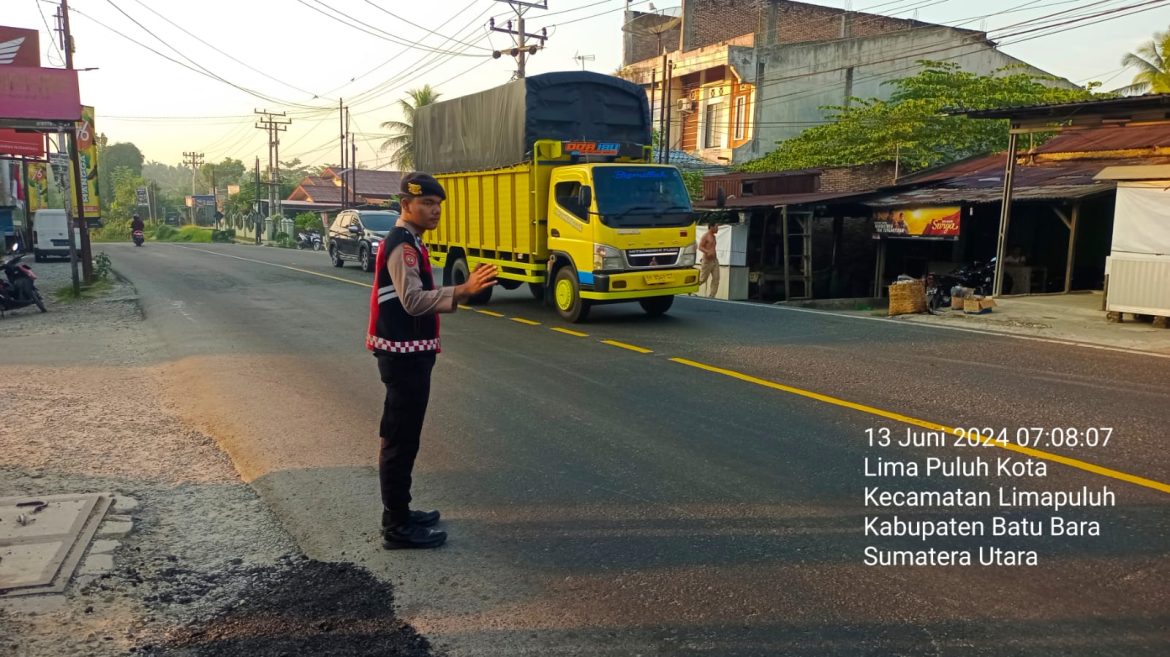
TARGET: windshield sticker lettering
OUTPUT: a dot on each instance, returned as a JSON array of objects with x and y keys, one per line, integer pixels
[{"x": 593, "y": 147}]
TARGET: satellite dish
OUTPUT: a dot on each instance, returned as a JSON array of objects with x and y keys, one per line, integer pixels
[{"x": 639, "y": 24}]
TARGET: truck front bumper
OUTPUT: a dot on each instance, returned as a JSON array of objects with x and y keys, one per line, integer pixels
[{"x": 641, "y": 284}]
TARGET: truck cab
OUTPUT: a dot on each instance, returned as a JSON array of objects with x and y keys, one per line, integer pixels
[{"x": 618, "y": 232}]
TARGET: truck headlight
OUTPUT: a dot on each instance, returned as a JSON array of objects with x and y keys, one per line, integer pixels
[
  {"x": 607, "y": 258},
  {"x": 687, "y": 257}
]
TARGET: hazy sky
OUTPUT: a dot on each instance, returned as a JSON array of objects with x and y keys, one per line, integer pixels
[{"x": 302, "y": 60}]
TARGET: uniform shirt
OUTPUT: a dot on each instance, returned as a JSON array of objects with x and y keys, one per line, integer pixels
[{"x": 402, "y": 264}]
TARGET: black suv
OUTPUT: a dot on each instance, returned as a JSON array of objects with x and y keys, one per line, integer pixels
[{"x": 357, "y": 234}]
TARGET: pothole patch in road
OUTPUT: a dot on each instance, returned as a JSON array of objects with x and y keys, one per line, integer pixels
[
  {"x": 42, "y": 539},
  {"x": 304, "y": 607}
]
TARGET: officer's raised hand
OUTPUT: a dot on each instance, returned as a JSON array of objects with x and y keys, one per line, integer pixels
[{"x": 482, "y": 278}]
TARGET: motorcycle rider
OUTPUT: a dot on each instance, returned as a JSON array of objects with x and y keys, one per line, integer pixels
[{"x": 136, "y": 223}]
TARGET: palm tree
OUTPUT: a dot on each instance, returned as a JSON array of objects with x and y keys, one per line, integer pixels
[
  {"x": 401, "y": 141},
  {"x": 1152, "y": 61}
]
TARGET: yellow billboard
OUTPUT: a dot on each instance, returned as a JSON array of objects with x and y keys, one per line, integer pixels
[
  {"x": 87, "y": 151},
  {"x": 918, "y": 222},
  {"x": 38, "y": 184}
]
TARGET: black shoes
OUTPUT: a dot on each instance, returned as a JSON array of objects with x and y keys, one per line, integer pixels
[
  {"x": 424, "y": 518},
  {"x": 410, "y": 536},
  {"x": 415, "y": 533}
]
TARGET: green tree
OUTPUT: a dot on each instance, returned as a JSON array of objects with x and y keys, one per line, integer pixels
[
  {"x": 915, "y": 126},
  {"x": 1152, "y": 61},
  {"x": 228, "y": 172},
  {"x": 124, "y": 154},
  {"x": 401, "y": 141},
  {"x": 124, "y": 197}
]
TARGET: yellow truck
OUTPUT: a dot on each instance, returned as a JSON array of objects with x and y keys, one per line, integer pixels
[{"x": 549, "y": 178}]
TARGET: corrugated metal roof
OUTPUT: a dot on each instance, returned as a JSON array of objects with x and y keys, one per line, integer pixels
[
  {"x": 1109, "y": 139},
  {"x": 773, "y": 200},
  {"x": 1059, "y": 110},
  {"x": 980, "y": 180},
  {"x": 953, "y": 196}
]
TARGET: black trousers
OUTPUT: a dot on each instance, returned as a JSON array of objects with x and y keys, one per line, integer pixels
[{"x": 408, "y": 389}]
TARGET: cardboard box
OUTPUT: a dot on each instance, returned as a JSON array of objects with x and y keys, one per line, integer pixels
[{"x": 974, "y": 306}]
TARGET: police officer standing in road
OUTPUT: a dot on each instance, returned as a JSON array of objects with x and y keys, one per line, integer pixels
[{"x": 404, "y": 336}]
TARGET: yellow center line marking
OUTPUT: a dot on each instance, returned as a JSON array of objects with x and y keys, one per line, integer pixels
[
  {"x": 933, "y": 426},
  {"x": 463, "y": 307},
  {"x": 524, "y": 321},
  {"x": 622, "y": 345},
  {"x": 897, "y": 417},
  {"x": 273, "y": 264}
]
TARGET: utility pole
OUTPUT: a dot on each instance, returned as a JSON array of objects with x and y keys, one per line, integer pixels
[
  {"x": 78, "y": 180},
  {"x": 256, "y": 203},
  {"x": 214, "y": 199},
  {"x": 194, "y": 160},
  {"x": 353, "y": 171},
  {"x": 521, "y": 50},
  {"x": 341, "y": 128},
  {"x": 270, "y": 122},
  {"x": 347, "y": 199}
]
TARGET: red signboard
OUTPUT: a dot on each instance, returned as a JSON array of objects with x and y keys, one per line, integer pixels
[
  {"x": 30, "y": 144},
  {"x": 28, "y": 92},
  {"x": 19, "y": 47}
]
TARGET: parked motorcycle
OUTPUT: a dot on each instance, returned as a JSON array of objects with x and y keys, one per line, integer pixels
[
  {"x": 977, "y": 276},
  {"x": 17, "y": 288},
  {"x": 309, "y": 239},
  {"x": 139, "y": 237}
]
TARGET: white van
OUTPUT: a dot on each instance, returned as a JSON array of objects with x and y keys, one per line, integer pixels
[{"x": 50, "y": 235}]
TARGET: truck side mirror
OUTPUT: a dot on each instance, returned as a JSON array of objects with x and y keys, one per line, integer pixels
[{"x": 585, "y": 198}]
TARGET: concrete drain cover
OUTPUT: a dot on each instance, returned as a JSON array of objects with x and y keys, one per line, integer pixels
[{"x": 42, "y": 539}]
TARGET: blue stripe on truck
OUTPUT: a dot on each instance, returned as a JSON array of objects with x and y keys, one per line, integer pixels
[{"x": 585, "y": 277}]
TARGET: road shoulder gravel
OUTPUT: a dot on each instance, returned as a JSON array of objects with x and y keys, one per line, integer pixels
[{"x": 197, "y": 564}]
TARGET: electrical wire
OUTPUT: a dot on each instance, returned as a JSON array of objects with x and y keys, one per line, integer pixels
[
  {"x": 379, "y": 33},
  {"x": 225, "y": 54},
  {"x": 49, "y": 32},
  {"x": 194, "y": 69},
  {"x": 413, "y": 24},
  {"x": 391, "y": 83}
]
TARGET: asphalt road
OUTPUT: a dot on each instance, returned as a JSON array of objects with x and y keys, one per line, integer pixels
[{"x": 697, "y": 488}]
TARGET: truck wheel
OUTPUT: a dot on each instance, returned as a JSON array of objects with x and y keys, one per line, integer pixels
[
  {"x": 459, "y": 275},
  {"x": 567, "y": 296},
  {"x": 655, "y": 306},
  {"x": 364, "y": 258},
  {"x": 335, "y": 256},
  {"x": 537, "y": 290}
]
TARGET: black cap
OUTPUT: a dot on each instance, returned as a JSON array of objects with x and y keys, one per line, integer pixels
[{"x": 418, "y": 183}]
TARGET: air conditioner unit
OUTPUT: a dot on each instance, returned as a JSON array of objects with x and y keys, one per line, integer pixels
[{"x": 686, "y": 105}]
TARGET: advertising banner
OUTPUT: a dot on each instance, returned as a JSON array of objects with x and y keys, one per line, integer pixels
[
  {"x": 19, "y": 46},
  {"x": 39, "y": 181},
  {"x": 937, "y": 223},
  {"x": 29, "y": 144},
  {"x": 28, "y": 92},
  {"x": 87, "y": 151}
]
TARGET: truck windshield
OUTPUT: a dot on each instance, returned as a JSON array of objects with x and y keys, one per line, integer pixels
[
  {"x": 631, "y": 197},
  {"x": 379, "y": 222}
]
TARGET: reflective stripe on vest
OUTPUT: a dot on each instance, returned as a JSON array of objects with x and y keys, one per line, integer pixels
[{"x": 410, "y": 347}]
